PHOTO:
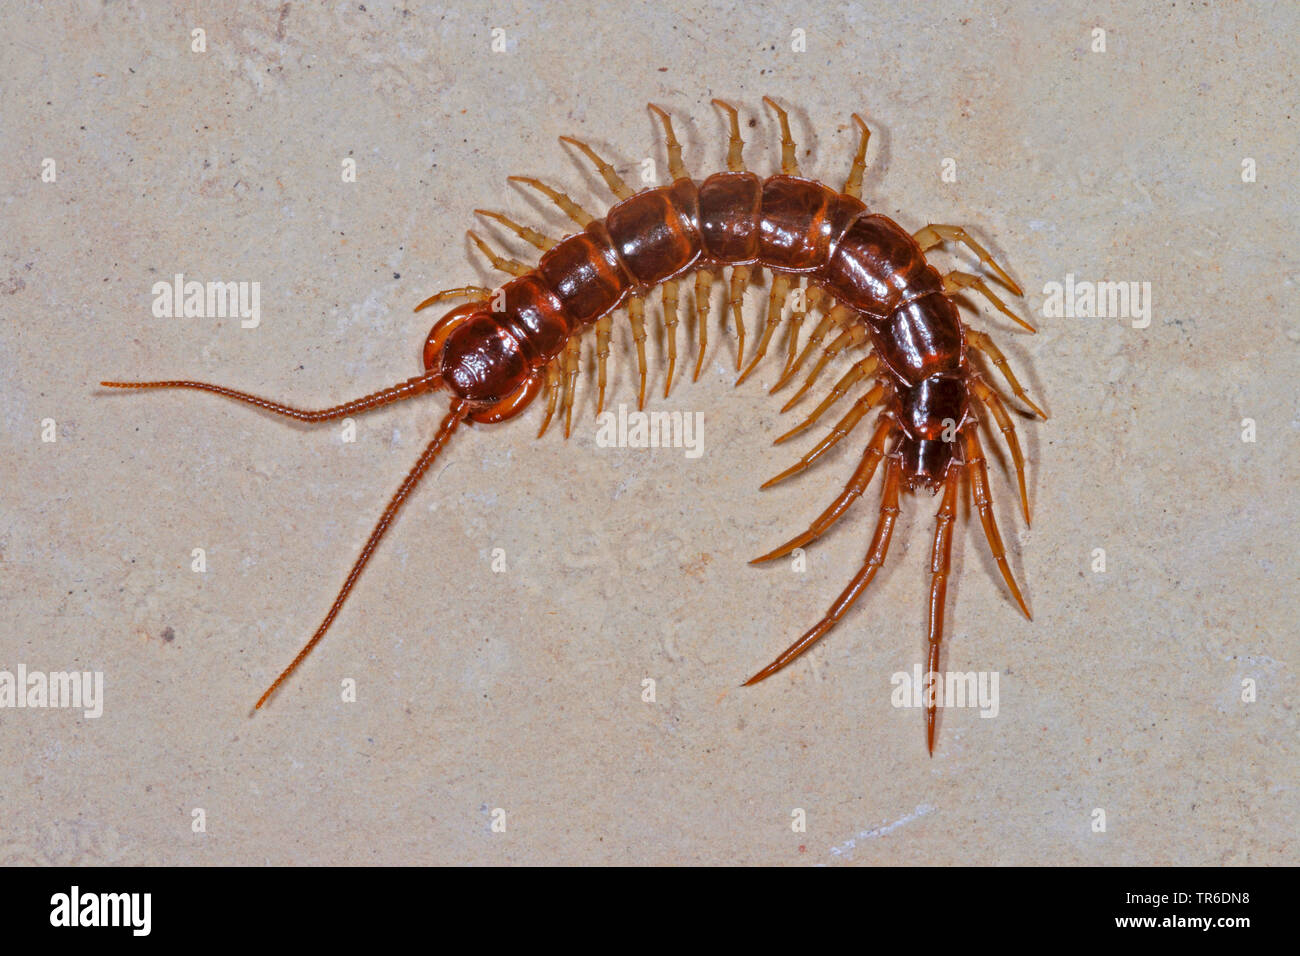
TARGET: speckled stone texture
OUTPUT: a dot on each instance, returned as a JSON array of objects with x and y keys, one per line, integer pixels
[{"x": 500, "y": 640}]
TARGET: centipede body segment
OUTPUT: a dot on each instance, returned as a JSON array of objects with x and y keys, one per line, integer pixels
[{"x": 868, "y": 282}]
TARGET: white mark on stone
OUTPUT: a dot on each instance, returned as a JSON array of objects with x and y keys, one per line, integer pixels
[{"x": 921, "y": 810}]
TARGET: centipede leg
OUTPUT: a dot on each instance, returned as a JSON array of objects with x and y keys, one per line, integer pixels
[
  {"x": 875, "y": 558},
  {"x": 474, "y": 293},
  {"x": 853, "y": 185},
  {"x": 852, "y": 491},
  {"x": 812, "y": 300},
  {"x": 860, "y": 371},
  {"x": 703, "y": 293},
  {"x": 979, "y": 482},
  {"x": 552, "y": 387},
  {"x": 854, "y": 335},
  {"x": 530, "y": 236},
  {"x": 775, "y": 311},
  {"x": 837, "y": 434},
  {"x": 984, "y": 343},
  {"x": 939, "y": 563},
  {"x": 604, "y": 329},
  {"x": 933, "y": 234},
  {"x": 957, "y": 281},
  {"x": 499, "y": 262},
  {"x": 431, "y": 451},
  {"x": 566, "y": 205},
  {"x": 612, "y": 179},
  {"x": 669, "y": 300},
  {"x": 789, "y": 162},
  {"x": 735, "y": 145},
  {"x": 676, "y": 168},
  {"x": 636, "y": 318},
  {"x": 829, "y": 321},
  {"x": 736, "y": 299},
  {"x": 986, "y": 396},
  {"x": 572, "y": 356}
]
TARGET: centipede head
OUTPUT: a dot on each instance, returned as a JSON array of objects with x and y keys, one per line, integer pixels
[{"x": 481, "y": 363}]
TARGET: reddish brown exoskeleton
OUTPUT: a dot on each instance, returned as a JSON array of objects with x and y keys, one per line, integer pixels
[{"x": 868, "y": 278}]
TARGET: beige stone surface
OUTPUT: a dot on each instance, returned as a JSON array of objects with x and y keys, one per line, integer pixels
[{"x": 522, "y": 689}]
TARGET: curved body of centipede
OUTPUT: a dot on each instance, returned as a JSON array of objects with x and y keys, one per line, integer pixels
[{"x": 867, "y": 277}]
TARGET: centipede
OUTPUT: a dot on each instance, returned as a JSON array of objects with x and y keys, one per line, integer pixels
[{"x": 877, "y": 299}]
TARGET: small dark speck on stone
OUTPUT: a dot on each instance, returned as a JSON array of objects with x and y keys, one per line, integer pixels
[
  {"x": 168, "y": 634},
  {"x": 397, "y": 275}
]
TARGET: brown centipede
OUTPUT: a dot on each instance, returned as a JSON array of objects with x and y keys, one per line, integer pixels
[{"x": 867, "y": 278}]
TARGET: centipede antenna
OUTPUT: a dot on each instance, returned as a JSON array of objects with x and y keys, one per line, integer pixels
[
  {"x": 386, "y": 396},
  {"x": 449, "y": 424}
]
